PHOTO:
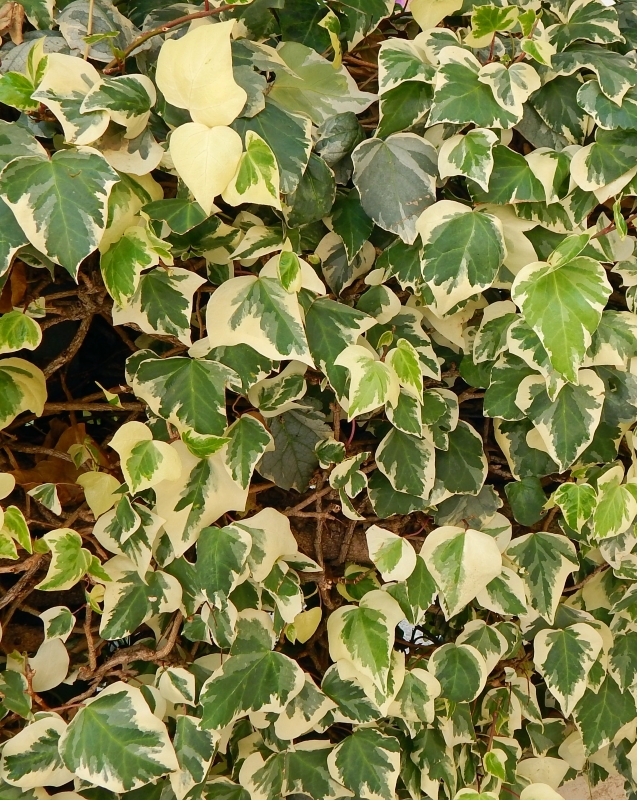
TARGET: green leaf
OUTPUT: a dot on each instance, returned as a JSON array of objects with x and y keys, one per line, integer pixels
[
  {"x": 331, "y": 327},
  {"x": 253, "y": 679},
  {"x": 408, "y": 462},
  {"x": 63, "y": 214},
  {"x": 395, "y": 180},
  {"x": 615, "y": 73},
  {"x": 461, "y": 671},
  {"x": 115, "y": 741},
  {"x": 469, "y": 154},
  {"x": 351, "y": 223},
  {"x": 249, "y": 440},
  {"x": 457, "y": 273},
  {"x": 462, "y": 563},
  {"x": 367, "y": 762},
  {"x": 563, "y": 304},
  {"x": 545, "y": 561},
  {"x": 221, "y": 557},
  {"x": 15, "y": 695},
  {"x": 403, "y": 107},
  {"x": 512, "y": 180},
  {"x": 31, "y": 758},
  {"x": 600, "y": 715},
  {"x": 564, "y": 658},
  {"x": 18, "y": 331},
  {"x": 527, "y": 500},
  {"x": 314, "y": 87},
  {"x": 462, "y": 468},
  {"x": 400, "y": 60},
  {"x": 179, "y": 214},
  {"x": 567, "y": 425},
  {"x": 314, "y": 195},
  {"x": 295, "y": 435},
  {"x": 577, "y": 502},
  {"x": 462, "y": 97},
  {"x": 189, "y": 393},
  {"x": 372, "y": 382},
  {"x": 69, "y": 560},
  {"x": 591, "y": 21},
  {"x": 22, "y": 388},
  {"x": 16, "y": 90},
  {"x": 287, "y": 134},
  {"x": 622, "y": 660},
  {"x": 556, "y": 103},
  {"x": 122, "y": 264}
]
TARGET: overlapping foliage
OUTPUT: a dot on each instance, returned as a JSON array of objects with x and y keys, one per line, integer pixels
[{"x": 351, "y": 510}]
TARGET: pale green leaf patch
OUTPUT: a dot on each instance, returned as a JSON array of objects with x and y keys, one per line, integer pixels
[
  {"x": 257, "y": 177},
  {"x": 144, "y": 462},
  {"x": 393, "y": 556},
  {"x": 462, "y": 562},
  {"x": 372, "y": 382},
  {"x": 577, "y": 502},
  {"x": 17, "y": 331},
  {"x": 405, "y": 362}
]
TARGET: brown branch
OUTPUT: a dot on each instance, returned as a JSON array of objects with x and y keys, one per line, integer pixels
[
  {"x": 78, "y": 405},
  {"x": 140, "y": 40},
  {"x": 70, "y": 352},
  {"x": 90, "y": 644}
]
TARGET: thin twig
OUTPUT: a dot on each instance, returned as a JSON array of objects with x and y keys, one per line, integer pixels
[{"x": 140, "y": 40}]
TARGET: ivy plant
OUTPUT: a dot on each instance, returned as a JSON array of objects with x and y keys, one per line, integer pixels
[{"x": 318, "y": 378}]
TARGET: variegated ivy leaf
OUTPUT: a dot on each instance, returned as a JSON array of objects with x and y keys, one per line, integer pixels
[
  {"x": 487, "y": 640},
  {"x": 162, "y": 303},
  {"x": 615, "y": 73},
  {"x": 489, "y": 18},
  {"x": 249, "y": 440},
  {"x": 577, "y": 502},
  {"x": 364, "y": 635},
  {"x": 257, "y": 176},
  {"x": 405, "y": 361},
  {"x": 616, "y": 506},
  {"x": 69, "y": 561},
  {"x": 252, "y": 678},
  {"x": 125, "y": 260},
  {"x": 65, "y": 84},
  {"x": 396, "y": 181},
  {"x": 274, "y": 396},
  {"x": 564, "y": 658},
  {"x": 563, "y": 303},
  {"x": 31, "y": 758},
  {"x": 130, "y": 599},
  {"x": 313, "y": 87},
  {"x": 260, "y": 313},
  {"x": 590, "y": 20},
  {"x": 222, "y": 554},
  {"x": 566, "y": 425},
  {"x": 63, "y": 216},
  {"x": 462, "y": 562},
  {"x": 614, "y": 341},
  {"x": 195, "y": 73},
  {"x": 177, "y": 685},
  {"x": 545, "y": 561},
  {"x": 47, "y": 494},
  {"x": 14, "y": 525},
  {"x": 402, "y": 60},
  {"x": 187, "y": 392},
  {"x": 368, "y": 763},
  {"x": 608, "y": 162},
  {"x": 17, "y": 331},
  {"x": 461, "y": 671},
  {"x": 505, "y": 594},
  {"x": 511, "y": 86},
  {"x": 127, "y": 99},
  {"x": 605, "y": 112},
  {"x": 195, "y": 749},
  {"x": 458, "y": 273},
  {"x": 491, "y": 337},
  {"x": 101, "y": 745},
  {"x": 372, "y": 382},
  {"x": 461, "y": 96},
  {"x": 144, "y": 462},
  {"x": 408, "y": 462},
  {"x": 137, "y": 545},
  {"x": 469, "y": 154},
  {"x": 347, "y": 478},
  {"x": 58, "y": 623},
  {"x": 393, "y": 556},
  {"x": 600, "y": 715},
  {"x": 428, "y": 13}
]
